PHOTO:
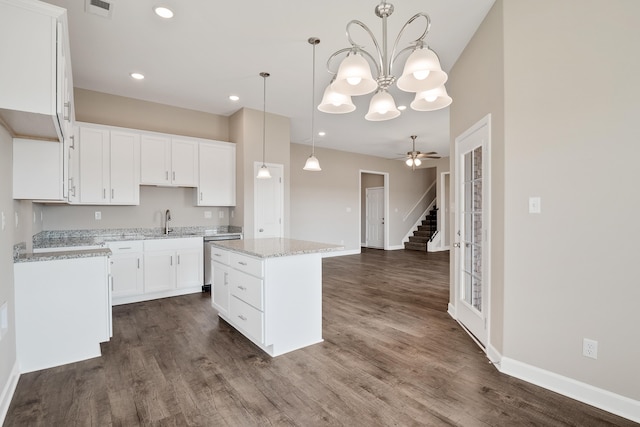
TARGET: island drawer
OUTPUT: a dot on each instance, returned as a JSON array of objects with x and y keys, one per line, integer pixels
[
  {"x": 248, "y": 319},
  {"x": 219, "y": 255},
  {"x": 247, "y": 264},
  {"x": 247, "y": 288}
]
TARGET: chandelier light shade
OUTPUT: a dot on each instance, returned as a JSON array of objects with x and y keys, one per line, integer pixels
[
  {"x": 263, "y": 172},
  {"x": 312, "y": 164},
  {"x": 421, "y": 73},
  {"x": 431, "y": 100},
  {"x": 382, "y": 107},
  {"x": 335, "y": 103}
]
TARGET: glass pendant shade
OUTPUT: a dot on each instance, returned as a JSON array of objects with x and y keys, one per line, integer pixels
[
  {"x": 312, "y": 164},
  {"x": 382, "y": 107},
  {"x": 263, "y": 172},
  {"x": 431, "y": 100},
  {"x": 354, "y": 76},
  {"x": 335, "y": 103},
  {"x": 422, "y": 72}
]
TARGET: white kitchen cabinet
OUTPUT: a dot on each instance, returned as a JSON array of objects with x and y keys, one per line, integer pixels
[
  {"x": 127, "y": 265},
  {"x": 38, "y": 170},
  {"x": 108, "y": 166},
  {"x": 173, "y": 266},
  {"x": 62, "y": 311},
  {"x": 35, "y": 79},
  {"x": 168, "y": 161},
  {"x": 276, "y": 302},
  {"x": 217, "y": 174}
]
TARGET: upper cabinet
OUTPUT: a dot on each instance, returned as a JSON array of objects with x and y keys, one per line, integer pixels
[
  {"x": 217, "y": 178},
  {"x": 37, "y": 170},
  {"x": 35, "y": 79},
  {"x": 168, "y": 161},
  {"x": 109, "y": 171}
]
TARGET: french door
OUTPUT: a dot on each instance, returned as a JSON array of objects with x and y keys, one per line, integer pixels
[{"x": 472, "y": 225}]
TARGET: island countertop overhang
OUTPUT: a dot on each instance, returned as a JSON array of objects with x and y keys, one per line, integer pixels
[{"x": 275, "y": 247}]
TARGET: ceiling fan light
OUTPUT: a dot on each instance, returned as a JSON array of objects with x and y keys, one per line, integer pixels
[
  {"x": 409, "y": 162},
  {"x": 431, "y": 100},
  {"x": 417, "y": 161},
  {"x": 263, "y": 172},
  {"x": 312, "y": 164},
  {"x": 335, "y": 103},
  {"x": 354, "y": 76},
  {"x": 382, "y": 107},
  {"x": 422, "y": 72}
]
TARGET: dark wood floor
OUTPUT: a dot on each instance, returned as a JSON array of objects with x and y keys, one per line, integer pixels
[{"x": 392, "y": 356}]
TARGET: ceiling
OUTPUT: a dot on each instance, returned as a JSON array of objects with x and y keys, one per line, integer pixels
[{"x": 213, "y": 49}]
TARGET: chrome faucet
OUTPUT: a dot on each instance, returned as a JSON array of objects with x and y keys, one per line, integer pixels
[{"x": 167, "y": 218}]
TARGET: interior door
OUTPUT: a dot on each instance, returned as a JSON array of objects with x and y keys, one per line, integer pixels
[
  {"x": 472, "y": 220},
  {"x": 375, "y": 217},
  {"x": 268, "y": 202}
]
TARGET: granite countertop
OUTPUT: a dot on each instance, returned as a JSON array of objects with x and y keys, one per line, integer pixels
[
  {"x": 52, "y": 256},
  {"x": 275, "y": 247},
  {"x": 98, "y": 238}
]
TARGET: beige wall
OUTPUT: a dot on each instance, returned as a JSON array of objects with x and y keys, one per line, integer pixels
[
  {"x": 476, "y": 86},
  {"x": 560, "y": 81},
  {"x": 325, "y": 206},
  {"x": 102, "y": 108},
  {"x": 572, "y": 103}
]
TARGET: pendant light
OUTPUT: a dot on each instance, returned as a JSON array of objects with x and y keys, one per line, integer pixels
[
  {"x": 312, "y": 164},
  {"x": 263, "y": 173}
]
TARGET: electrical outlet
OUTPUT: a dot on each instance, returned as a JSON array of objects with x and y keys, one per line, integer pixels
[
  {"x": 590, "y": 348},
  {"x": 207, "y": 214},
  {"x": 17, "y": 219},
  {"x": 4, "y": 221},
  {"x": 98, "y": 215},
  {"x": 535, "y": 205}
]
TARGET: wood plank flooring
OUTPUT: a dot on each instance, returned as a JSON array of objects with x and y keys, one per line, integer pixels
[{"x": 392, "y": 356}]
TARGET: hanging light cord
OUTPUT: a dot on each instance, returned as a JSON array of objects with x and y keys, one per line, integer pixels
[
  {"x": 264, "y": 113},
  {"x": 313, "y": 97}
]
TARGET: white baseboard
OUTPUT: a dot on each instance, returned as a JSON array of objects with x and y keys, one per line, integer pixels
[
  {"x": 340, "y": 253},
  {"x": 7, "y": 392},
  {"x": 586, "y": 393},
  {"x": 451, "y": 309},
  {"x": 395, "y": 247}
]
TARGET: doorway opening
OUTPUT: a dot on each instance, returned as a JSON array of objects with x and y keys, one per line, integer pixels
[{"x": 374, "y": 209}]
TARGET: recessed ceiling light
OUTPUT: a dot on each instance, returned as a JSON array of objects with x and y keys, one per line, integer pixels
[
  {"x": 234, "y": 97},
  {"x": 402, "y": 107},
  {"x": 321, "y": 133},
  {"x": 163, "y": 12},
  {"x": 137, "y": 76}
]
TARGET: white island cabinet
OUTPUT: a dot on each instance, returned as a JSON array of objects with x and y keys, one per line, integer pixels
[{"x": 270, "y": 290}]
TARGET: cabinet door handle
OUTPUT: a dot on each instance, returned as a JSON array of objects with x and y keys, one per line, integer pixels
[
  {"x": 242, "y": 317},
  {"x": 218, "y": 255},
  {"x": 166, "y": 175},
  {"x": 72, "y": 146},
  {"x": 174, "y": 175},
  {"x": 113, "y": 193},
  {"x": 104, "y": 193},
  {"x": 242, "y": 263},
  {"x": 138, "y": 263},
  {"x": 178, "y": 259},
  {"x": 171, "y": 259},
  {"x": 125, "y": 247},
  {"x": 226, "y": 275},
  {"x": 201, "y": 196}
]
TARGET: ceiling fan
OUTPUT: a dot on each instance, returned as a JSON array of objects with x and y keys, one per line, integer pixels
[{"x": 413, "y": 157}]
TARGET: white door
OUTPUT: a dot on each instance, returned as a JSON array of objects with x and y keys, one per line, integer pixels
[
  {"x": 375, "y": 217},
  {"x": 268, "y": 202},
  {"x": 472, "y": 229}
]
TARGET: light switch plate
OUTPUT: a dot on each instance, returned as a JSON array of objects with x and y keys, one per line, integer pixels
[
  {"x": 535, "y": 205},
  {"x": 207, "y": 214},
  {"x": 98, "y": 215}
]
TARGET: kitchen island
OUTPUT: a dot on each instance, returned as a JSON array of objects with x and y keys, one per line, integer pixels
[{"x": 270, "y": 290}]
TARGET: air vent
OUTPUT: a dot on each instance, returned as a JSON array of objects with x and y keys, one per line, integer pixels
[{"x": 99, "y": 7}]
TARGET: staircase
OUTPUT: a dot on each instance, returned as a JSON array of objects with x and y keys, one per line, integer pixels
[{"x": 418, "y": 242}]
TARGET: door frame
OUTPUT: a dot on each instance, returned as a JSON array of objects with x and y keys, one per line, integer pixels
[
  {"x": 486, "y": 210},
  {"x": 271, "y": 166},
  {"x": 366, "y": 227},
  {"x": 386, "y": 203}
]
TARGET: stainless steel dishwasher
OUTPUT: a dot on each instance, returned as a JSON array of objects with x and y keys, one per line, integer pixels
[{"x": 208, "y": 238}]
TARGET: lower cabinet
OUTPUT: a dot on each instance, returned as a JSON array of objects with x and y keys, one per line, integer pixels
[
  {"x": 62, "y": 311},
  {"x": 275, "y": 302},
  {"x": 160, "y": 268}
]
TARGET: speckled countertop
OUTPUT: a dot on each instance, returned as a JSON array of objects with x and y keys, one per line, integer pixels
[
  {"x": 275, "y": 247},
  {"x": 88, "y": 243}
]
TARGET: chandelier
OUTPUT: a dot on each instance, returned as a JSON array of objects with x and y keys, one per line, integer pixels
[{"x": 422, "y": 73}]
